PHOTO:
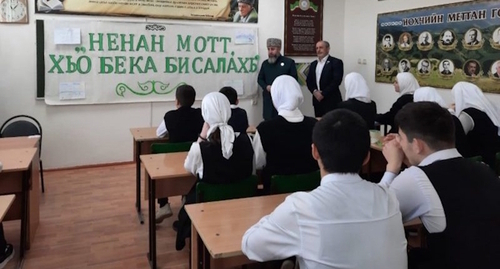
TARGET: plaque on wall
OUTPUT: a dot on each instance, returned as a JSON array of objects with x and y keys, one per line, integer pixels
[{"x": 303, "y": 26}]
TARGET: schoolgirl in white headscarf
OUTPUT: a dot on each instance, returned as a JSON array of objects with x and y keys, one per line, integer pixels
[
  {"x": 282, "y": 145},
  {"x": 216, "y": 111},
  {"x": 357, "y": 98},
  {"x": 429, "y": 94},
  {"x": 468, "y": 95},
  {"x": 480, "y": 120},
  {"x": 405, "y": 84},
  {"x": 356, "y": 88}
]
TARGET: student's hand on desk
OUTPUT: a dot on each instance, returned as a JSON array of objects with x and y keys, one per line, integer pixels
[{"x": 394, "y": 155}]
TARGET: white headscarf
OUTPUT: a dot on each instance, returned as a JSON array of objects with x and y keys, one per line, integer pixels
[
  {"x": 356, "y": 87},
  {"x": 429, "y": 94},
  {"x": 287, "y": 97},
  {"x": 408, "y": 84},
  {"x": 216, "y": 111},
  {"x": 469, "y": 95}
]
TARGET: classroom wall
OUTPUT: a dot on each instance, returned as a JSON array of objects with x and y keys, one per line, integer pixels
[
  {"x": 96, "y": 134},
  {"x": 360, "y": 38}
]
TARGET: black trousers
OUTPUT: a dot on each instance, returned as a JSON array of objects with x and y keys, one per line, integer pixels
[
  {"x": 162, "y": 201},
  {"x": 3, "y": 243}
]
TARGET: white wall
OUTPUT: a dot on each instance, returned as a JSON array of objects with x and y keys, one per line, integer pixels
[
  {"x": 93, "y": 134},
  {"x": 360, "y": 39}
]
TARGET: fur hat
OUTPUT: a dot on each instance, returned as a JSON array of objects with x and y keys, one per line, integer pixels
[{"x": 274, "y": 42}]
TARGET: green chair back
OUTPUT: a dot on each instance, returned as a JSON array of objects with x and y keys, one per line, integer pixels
[
  {"x": 293, "y": 183},
  {"x": 476, "y": 158},
  {"x": 206, "y": 192},
  {"x": 170, "y": 147}
]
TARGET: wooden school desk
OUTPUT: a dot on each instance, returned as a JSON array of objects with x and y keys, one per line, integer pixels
[
  {"x": 142, "y": 140},
  {"x": 5, "y": 203},
  {"x": 218, "y": 227},
  {"x": 34, "y": 193},
  {"x": 166, "y": 177},
  {"x": 18, "y": 142},
  {"x": 16, "y": 177}
]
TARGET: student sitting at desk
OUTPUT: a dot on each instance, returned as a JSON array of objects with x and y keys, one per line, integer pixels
[
  {"x": 480, "y": 120},
  {"x": 455, "y": 198},
  {"x": 219, "y": 156},
  {"x": 346, "y": 222},
  {"x": 283, "y": 145},
  {"x": 182, "y": 125},
  {"x": 357, "y": 98},
  {"x": 239, "y": 119},
  {"x": 405, "y": 84}
]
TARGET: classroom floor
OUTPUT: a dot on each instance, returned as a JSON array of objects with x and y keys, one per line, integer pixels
[{"x": 88, "y": 220}]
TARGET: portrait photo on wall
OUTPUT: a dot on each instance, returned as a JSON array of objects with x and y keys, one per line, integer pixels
[
  {"x": 446, "y": 67},
  {"x": 387, "y": 42},
  {"x": 424, "y": 67},
  {"x": 386, "y": 65},
  {"x": 404, "y": 65},
  {"x": 495, "y": 70},
  {"x": 472, "y": 68},
  {"x": 405, "y": 43},
  {"x": 441, "y": 45},
  {"x": 447, "y": 40}
]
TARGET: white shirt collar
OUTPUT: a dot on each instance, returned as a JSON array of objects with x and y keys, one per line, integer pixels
[
  {"x": 343, "y": 178},
  {"x": 440, "y": 155},
  {"x": 234, "y": 106},
  {"x": 324, "y": 59}
]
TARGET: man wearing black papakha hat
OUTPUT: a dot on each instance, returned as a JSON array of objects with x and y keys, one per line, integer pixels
[{"x": 275, "y": 66}]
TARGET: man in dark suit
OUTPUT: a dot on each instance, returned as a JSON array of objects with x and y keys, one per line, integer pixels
[{"x": 324, "y": 78}]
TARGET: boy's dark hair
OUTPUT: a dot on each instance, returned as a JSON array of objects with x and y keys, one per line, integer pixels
[
  {"x": 230, "y": 93},
  {"x": 186, "y": 95},
  {"x": 429, "y": 122},
  {"x": 343, "y": 141}
]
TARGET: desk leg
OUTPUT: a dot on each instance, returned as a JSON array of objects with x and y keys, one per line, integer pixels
[
  {"x": 152, "y": 223},
  {"x": 138, "y": 147},
  {"x": 24, "y": 215},
  {"x": 194, "y": 261}
]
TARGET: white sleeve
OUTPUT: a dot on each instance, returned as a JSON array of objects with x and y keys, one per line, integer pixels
[
  {"x": 467, "y": 122},
  {"x": 258, "y": 151},
  {"x": 418, "y": 198},
  {"x": 194, "y": 161},
  {"x": 274, "y": 237},
  {"x": 162, "y": 131},
  {"x": 387, "y": 179}
]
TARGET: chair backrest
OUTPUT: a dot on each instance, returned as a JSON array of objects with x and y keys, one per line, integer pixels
[
  {"x": 170, "y": 147},
  {"x": 293, "y": 183},
  {"x": 22, "y": 125},
  {"x": 476, "y": 158},
  {"x": 206, "y": 192},
  {"x": 497, "y": 163}
]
